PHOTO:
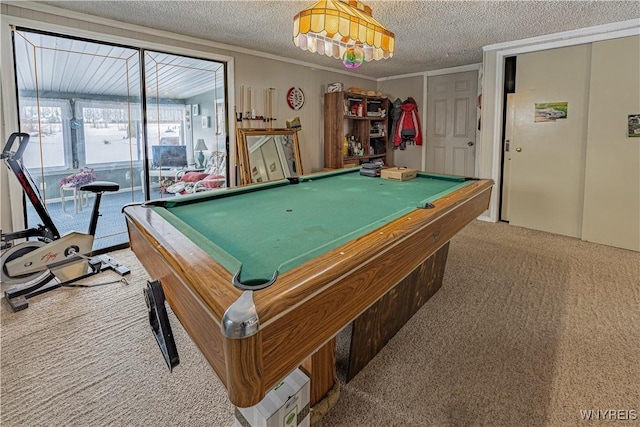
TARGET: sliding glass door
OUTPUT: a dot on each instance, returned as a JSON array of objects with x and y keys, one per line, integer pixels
[
  {"x": 183, "y": 120},
  {"x": 83, "y": 104}
]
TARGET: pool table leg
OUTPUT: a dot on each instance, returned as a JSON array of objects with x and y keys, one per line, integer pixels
[
  {"x": 325, "y": 388},
  {"x": 380, "y": 322}
]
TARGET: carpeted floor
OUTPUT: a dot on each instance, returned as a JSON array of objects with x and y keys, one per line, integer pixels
[{"x": 528, "y": 329}]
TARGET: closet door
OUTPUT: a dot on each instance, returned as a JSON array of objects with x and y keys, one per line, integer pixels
[
  {"x": 451, "y": 123},
  {"x": 548, "y": 149},
  {"x": 612, "y": 185}
]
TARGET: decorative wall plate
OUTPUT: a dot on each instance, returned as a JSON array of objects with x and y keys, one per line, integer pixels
[{"x": 295, "y": 98}]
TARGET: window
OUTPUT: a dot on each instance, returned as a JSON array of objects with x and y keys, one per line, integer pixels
[
  {"x": 106, "y": 132},
  {"x": 165, "y": 124},
  {"x": 46, "y": 128}
]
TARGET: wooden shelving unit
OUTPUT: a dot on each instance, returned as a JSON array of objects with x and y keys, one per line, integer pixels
[{"x": 362, "y": 120}]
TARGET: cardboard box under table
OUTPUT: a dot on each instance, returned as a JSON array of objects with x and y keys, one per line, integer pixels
[
  {"x": 399, "y": 174},
  {"x": 286, "y": 405}
]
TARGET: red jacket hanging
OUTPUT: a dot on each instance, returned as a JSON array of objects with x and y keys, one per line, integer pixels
[{"x": 408, "y": 127}]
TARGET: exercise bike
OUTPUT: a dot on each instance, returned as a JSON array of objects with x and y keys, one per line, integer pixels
[{"x": 50, "y": 261}]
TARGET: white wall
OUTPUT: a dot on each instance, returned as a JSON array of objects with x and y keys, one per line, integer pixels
[
  {"x": 207, "y": 108},
  {"x": 5, "y": 206},
  {"x": 413, "y": 87},
  {"x": 261, "y": 73}
]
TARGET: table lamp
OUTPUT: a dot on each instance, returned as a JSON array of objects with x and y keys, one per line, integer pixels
[{"x": 200, "y": 145}]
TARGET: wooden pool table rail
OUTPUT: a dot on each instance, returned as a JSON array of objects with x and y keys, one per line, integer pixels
[{"x": 308, "y": 305}]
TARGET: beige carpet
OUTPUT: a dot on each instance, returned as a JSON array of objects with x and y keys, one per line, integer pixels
[{"x": 528, "y": 330}]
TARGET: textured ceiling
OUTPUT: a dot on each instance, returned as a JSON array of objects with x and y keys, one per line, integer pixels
[{"x": 430, "y": 35}]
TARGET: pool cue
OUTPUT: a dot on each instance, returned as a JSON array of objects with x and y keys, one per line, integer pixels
[
  {"x": 242, "y": 105},
  {"x": 271, "y": 119},
  {"x": 250, "y": 111}
]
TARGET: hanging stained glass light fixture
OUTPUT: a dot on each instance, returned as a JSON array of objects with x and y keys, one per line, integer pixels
[{"x": 335, "y": 28}]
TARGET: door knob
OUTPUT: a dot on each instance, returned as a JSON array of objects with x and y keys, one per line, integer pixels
[
  {"x": 518, "y": 149},
  {"x": 470, "y": 144}
]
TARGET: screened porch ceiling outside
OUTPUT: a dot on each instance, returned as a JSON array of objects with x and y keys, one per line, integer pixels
[{"x": 77, "y": 67}]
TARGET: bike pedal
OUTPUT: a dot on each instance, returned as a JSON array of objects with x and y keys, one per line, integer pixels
[
  {"x": 122, "y": 270},
  {"x": 95, "y": 264}
]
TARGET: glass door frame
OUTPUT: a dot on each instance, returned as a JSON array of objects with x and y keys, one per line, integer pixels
[{"x": 16, "y": 210}]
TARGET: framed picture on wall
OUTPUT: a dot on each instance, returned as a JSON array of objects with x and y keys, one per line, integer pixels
[
  {"x": 551, "y": 111},
  {"x": 196, "y": 110},
  {"x": 205, "y": 122},
  {"x": 634, "y": 125},
  {"x": 187, "y": 116}
]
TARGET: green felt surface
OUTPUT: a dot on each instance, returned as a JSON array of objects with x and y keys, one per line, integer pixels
[{"x": 280, "y": 226}]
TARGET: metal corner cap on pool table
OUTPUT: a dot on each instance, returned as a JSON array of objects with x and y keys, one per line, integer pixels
[{"x": 241, "y": 318}]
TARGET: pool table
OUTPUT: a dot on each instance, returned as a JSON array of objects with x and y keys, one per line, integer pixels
[{"x": 263, "y": 277}]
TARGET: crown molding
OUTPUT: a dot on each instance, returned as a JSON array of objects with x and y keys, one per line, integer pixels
[
  {"x": 451, "y": 70},
  {"x": 566, "y": 38}
]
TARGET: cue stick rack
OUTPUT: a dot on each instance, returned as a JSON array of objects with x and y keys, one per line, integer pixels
[{"x": 248, "y": 113}]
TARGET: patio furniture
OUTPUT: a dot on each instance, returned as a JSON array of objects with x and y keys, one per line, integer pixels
[
  {"x": 73, "y": 183},
  {"x": 211, "y": 178},
  {"x": 80, "y": 198}
]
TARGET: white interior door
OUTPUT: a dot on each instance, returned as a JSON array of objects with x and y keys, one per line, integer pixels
[
  {"x": 548, "y": 153},
  {"x": 451, "y": 123}
]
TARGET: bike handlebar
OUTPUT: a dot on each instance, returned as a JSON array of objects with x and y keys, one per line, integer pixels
[{"x": 24, "y": 139}]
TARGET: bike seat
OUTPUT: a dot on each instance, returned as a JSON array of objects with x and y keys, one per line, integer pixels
[{"x": 100, "y": 186}]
